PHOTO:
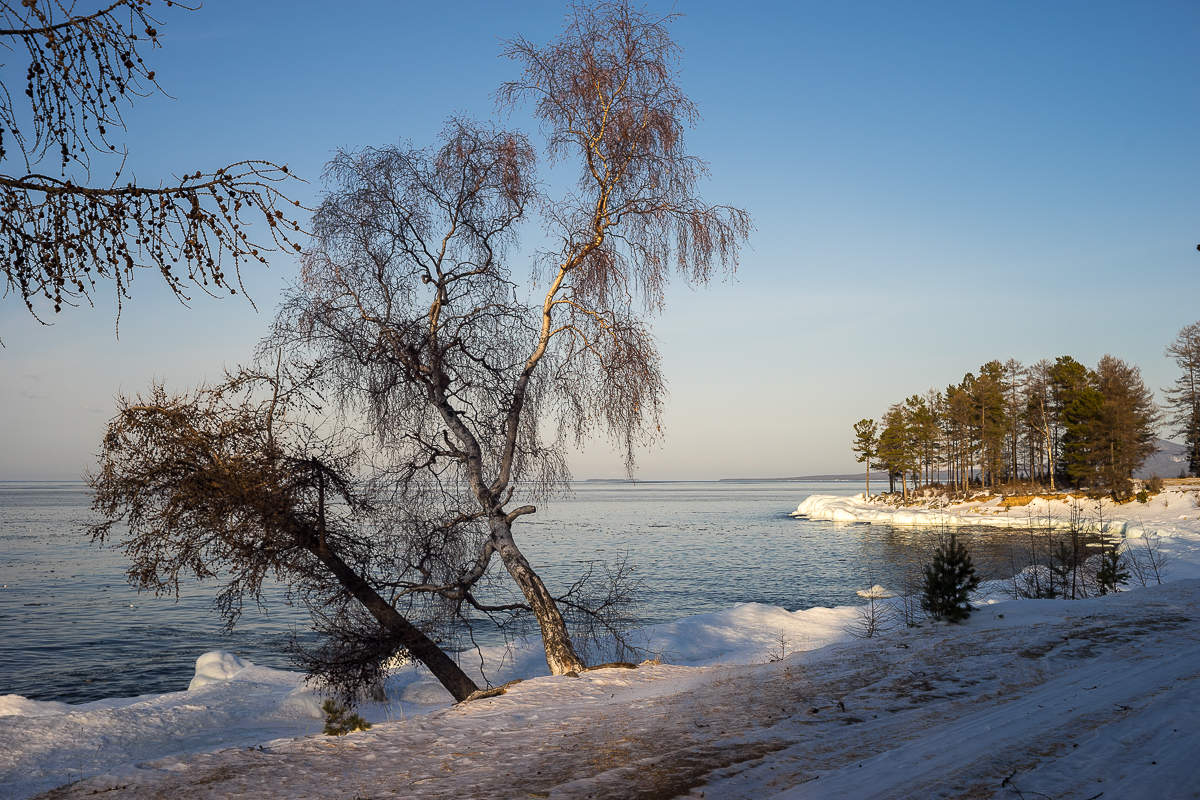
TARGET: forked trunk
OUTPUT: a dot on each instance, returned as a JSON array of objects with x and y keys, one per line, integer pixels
[{"x": 560, "y": 653}]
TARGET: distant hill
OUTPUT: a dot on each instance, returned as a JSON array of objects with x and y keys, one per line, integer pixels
[{"x": 1168, "y": 461}]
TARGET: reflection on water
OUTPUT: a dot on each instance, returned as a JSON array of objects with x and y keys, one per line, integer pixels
[{"x": 71, "y": 629}]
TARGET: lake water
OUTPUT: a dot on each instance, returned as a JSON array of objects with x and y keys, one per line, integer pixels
[{"x": 71, "y": 628}]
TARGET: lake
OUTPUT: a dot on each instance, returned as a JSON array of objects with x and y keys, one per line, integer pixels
[{"x": 71, "y": 629}]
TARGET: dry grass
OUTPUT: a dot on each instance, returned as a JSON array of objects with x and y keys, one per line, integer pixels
[
  {"x": 1183, "y": 483},
  {"x": 1016, "y": 500}
]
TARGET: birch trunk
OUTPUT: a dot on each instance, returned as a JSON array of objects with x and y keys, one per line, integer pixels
[{"x": 560, "y": 653}]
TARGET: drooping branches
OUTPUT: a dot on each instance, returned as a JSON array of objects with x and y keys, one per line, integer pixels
[
  {"x": 232, "y": 483},
  {"x": 606, "y": 94},
  {"x": 468, "y": 381},
  {"x": 61, "y": 234}
]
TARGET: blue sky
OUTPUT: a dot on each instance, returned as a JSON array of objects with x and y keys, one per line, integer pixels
[{"x": 933, "y": 185}]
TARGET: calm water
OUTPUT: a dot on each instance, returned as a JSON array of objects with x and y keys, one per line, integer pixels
[{"x": 71, "y": 628}]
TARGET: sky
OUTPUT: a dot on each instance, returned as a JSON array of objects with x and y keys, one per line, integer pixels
[{"x": 932, "y": 185}]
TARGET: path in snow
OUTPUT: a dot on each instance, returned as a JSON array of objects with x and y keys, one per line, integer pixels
[{"x": 1067, "y": 699}]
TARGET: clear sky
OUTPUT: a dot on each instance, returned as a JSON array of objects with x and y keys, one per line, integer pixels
[{"x": 933, "y": 184}]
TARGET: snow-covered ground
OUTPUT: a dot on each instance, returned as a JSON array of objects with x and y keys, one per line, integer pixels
[
  {"x": 1169, "y": 512},
  {"x": 1084, "y": 698}
]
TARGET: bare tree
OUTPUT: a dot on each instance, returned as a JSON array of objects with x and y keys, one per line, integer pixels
[
  {"x": 232, "y": 483},
  {"x": 875, "y": 617},
  {"x": 472, "y": 380},
  {"x": 61, "y": 233}
]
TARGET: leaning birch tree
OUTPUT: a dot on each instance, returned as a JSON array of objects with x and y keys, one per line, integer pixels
[{"x": 472, "y": 377}]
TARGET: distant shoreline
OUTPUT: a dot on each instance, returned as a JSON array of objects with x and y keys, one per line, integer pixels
[
  {"x": 841, "y": 477},
  {"x": 846, "y": 476}
]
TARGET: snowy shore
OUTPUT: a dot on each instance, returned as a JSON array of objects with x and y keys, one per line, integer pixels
[
  {"x": 754, "y": 701},
  {"x": 1169, "y": 512}
]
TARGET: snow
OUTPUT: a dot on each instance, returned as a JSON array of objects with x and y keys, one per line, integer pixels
[
  {"x": 1035, "y": 698},
  {"x": 989, "y": 513},
  {"x": 1162, "y": 511},
  {"x": 216, "y": 666}
]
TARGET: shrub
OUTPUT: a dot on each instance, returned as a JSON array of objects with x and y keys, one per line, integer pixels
[
  {"x": 875, "y": 617},
  {"x": 339, "y": 720},
  {"x": 1143, "y": 496},
  {"x": 1154, "y": 485},
  {"x": 949, "y": 581}
]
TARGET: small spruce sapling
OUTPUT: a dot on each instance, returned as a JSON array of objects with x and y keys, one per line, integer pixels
[
  {"x": 339, "y": 720},
  {"x": 949, "y": 581},
  {"x": 1112, "y": 573}
]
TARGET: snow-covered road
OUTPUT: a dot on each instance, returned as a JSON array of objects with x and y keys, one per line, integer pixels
[{"x": 1067, "y": 699}]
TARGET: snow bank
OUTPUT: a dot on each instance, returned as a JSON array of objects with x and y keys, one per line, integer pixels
[
  {"x": 858, "y": 509},
  {"x": 231, "y": 702},
  {"x": 748, "y": 633},
  {"x": 1124, "y": 519},
  {"x": 215, "y": 666},
  {"x": 16, "y": 705}
]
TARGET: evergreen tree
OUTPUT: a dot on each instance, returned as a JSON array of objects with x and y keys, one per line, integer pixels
[
  {"x": 896, "y": 451},
  {"x": 866, "y": 445},
  {"x": 923, "y": 431},
  {"x": 1076, "y": 407},
  {"x": 1112, "y": 573},
  {"x": 1125, "y": 429},
  {"x": 1015, "y": 377},
  {"x": 1183, "y": 399},
  {"x": 958, "y": 426},
  {"x": 1083, "y": 445},
  {"x": 949, "y": 580},
  {"x": 991, "y": 422}
]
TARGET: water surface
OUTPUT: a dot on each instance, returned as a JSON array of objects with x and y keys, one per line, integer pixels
[{"x": 71, "y": 628}]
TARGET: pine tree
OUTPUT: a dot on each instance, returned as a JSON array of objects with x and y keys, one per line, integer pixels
[
  {"x": 896, "y": 448},
  {"x": 988, "y": 397},
  {"x": 949, "y": 581},
  {"x": 866, "y": 445},
  {"x": 1183, "y": 399},
  {"x": 340, "y": 720},
  {"x": 1112, "y": 573},
  {"x": 1073, "y": 407},
  {"x": 1125, "y": 429}
]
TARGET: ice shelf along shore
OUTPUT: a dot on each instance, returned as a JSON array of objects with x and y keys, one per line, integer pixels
[{"x": 1081, "y": 698}]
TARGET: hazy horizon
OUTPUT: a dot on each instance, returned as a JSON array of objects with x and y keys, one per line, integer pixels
[{"x": 932, "y": 187}]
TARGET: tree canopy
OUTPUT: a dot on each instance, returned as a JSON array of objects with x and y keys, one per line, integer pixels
[{"x": 1051, "y": 421}]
